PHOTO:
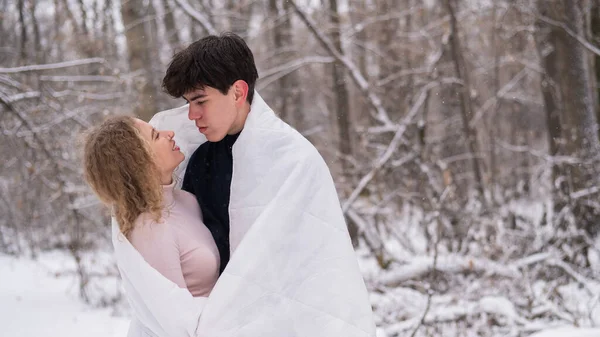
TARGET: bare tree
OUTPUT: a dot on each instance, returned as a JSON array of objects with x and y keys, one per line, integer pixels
[
  {"x": 462, "y": 73},
  {"x": 170, "y": 25},
  {"x": 569, "y": 104},
  {"x": 135, "y": 14},
  {"x": 24, "y": 35},
  {"x": 239, "y": 14},
  {"x": 288, "y": 96},
  {"x": 342, "y": 106}
]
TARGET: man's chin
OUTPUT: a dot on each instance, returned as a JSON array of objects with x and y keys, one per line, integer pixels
[{"x": 213, "y": 138}]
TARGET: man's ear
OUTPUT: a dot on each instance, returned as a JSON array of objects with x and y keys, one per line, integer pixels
[{"x": 240, "y": 91}]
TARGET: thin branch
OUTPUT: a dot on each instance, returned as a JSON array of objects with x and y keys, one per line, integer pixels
[
  {"x": 203, "y": 20},
  {"x": 585, "y": 192},
  {"x": 295, "y": 64},
  {"x": 87, "y": 78},
  {"x": 271, "y": 76},
  {"x": 355, "y": 73},
  {"x": 492, "y": 100},
  {"x": 391, "y": 148},
  {"x": 575, "y": 275},
  {"x": 12, "y": 83},
  {"x": 371, "y": 238},
  {"x": 434, "y": 266},
  {"x": 22, "y": 96},
  {"x": 451, "y": 264},
  {"x": 49, "y": 66},
  {"x": 587, "y": 45},
  {"x": 360, "y": 26}
]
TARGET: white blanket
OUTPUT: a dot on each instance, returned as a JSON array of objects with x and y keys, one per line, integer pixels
[{"x": 292, "y": 272}]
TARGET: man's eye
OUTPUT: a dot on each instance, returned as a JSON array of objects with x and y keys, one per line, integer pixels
[{"x": 201, "y": 102}]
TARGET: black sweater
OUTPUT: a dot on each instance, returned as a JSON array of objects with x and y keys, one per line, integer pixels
[{"x": 208, "y": 177}]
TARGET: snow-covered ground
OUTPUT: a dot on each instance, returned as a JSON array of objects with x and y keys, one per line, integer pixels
[{"x": 34, "y": 302}]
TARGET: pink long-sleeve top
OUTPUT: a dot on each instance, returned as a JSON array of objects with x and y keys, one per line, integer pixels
[{"x": 180, "y": 247}]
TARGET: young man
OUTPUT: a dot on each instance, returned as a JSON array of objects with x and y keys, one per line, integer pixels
[
  {"x": 288, "y": 266},
  {"x": 216, "y": 77}
]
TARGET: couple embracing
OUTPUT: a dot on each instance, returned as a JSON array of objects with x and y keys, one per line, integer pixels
[{"x": 226, "y": 221}]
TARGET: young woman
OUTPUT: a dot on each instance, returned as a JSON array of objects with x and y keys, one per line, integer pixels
[{"x": 130, "y": 165}]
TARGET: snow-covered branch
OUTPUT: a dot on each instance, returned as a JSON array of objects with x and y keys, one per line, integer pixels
[
  {"x": 582, "y": 40},
  {"x": 199, "y": 17},
  {"x": 51, "y": 66},
  {"x": 589, "y": 286},
  {"x": 294, "y": 64},
  {"x": 451, "y": 264},
  {"x": 503, "y": 91},
  {"x": 271, "y": 76},
  {"x": 357, "y": 77},
  {"x": 393, "y": 145},
  {"x": 499, "y": 307},
  {"x": 23, "y": 95},
  {"x": 86, "y": 78}
]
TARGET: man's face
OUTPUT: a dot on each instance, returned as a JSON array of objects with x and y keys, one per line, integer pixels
[{"x": 215, "y": 114}]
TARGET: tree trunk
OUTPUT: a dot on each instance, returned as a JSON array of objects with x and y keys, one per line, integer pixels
[
  {"x": 569, "y": 101},
  {"x": 170, "y": 26},
  {"x": 278, "y": 44},
  {"x": 70, "y": 16},
  {"x": 108, "y": 25},
  {"x": 491, "y": 120},
  {"x": 23, "y": 46},
  {"x": 140, "y": 50},
  {"x": 239, "y": 22},
  {"x": 465, "y": 98},
  {"x": 293, "y": 100},
  {"x": 84, "y": 27},
  {"x": 579, "y": 112},
  {"x": 359, "y": 106},
  {"x": 342, "y": 110},
  {"x": 594, "y": 31},
  {"x": 288, "y": 95},
  {"x": 58, "y": 36},
  {"x": 39, "y": 53}
]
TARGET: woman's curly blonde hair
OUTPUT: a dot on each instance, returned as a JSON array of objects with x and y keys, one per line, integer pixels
[{"x": 120, "y": 168}]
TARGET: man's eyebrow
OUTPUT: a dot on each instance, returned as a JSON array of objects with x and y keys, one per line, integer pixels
[{"x": 195, "y": 97}]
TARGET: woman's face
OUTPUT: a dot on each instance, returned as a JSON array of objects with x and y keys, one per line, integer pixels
[{"x": 166, "y": 152}]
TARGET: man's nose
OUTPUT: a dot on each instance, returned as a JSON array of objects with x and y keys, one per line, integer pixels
[{"x": 193, "y": 113}]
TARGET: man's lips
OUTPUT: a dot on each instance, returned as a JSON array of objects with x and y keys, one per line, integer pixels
[{"x": 202, "y": 128}]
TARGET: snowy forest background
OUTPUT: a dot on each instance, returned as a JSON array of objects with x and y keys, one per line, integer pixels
[{"x": 462, "y": 135}]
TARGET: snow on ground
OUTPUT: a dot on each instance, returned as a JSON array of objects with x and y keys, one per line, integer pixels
[
  {"x": 33, "y": 302},
  {"x": 568, "y": 332}
]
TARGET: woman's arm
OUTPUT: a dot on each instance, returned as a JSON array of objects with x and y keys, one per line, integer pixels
[
  {"x": 158, "y": 245},
  {"x": 160, "y": 305}
]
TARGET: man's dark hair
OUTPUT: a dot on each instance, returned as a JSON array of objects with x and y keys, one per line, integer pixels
[{"x": 213, "y": 61}]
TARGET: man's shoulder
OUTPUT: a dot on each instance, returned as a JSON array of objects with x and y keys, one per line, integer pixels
[{"x": 294, "y": 143}]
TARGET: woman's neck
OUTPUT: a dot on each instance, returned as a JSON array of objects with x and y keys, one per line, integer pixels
[{"x": 166, "y": 178}]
